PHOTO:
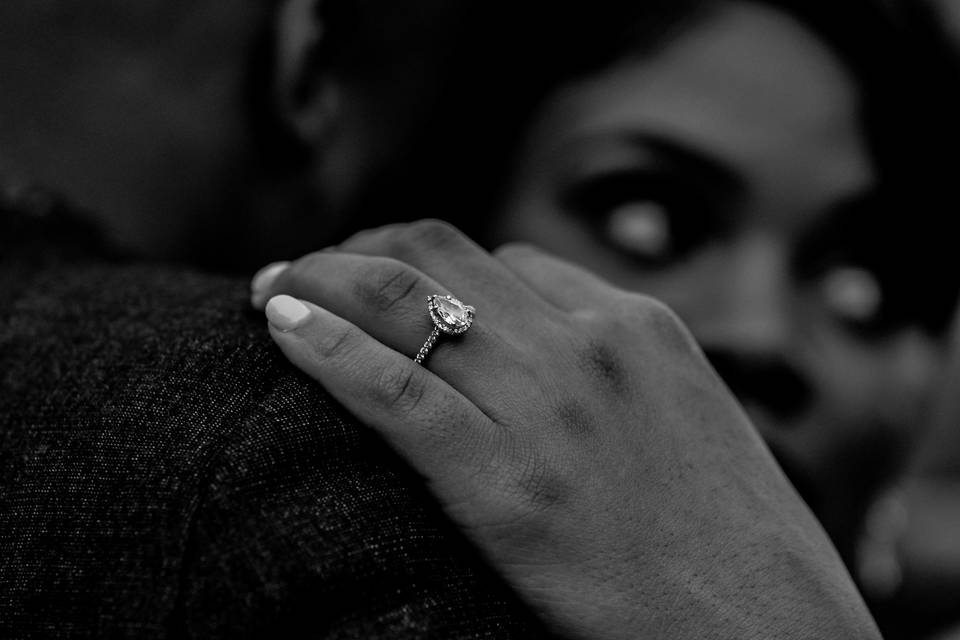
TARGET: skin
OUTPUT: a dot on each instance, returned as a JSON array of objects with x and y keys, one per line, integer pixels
[
  {"x": 116, "y": 136},
  {"x": 771, "y": 153},
  {"x": 564, "y": 479},
  {"x": 138, "y": 112},
  {"x": 97, "y": 105},
  {"x": 576, "y": 433}
]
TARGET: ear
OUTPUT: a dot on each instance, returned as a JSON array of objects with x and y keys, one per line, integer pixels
[{"x": 306, "y": 94}]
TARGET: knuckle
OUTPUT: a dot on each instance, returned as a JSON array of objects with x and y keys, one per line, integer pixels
[
  {"x": 659, "y": 321},
  {"x": 605, "y": 367},
  {"x": 338, "y": 343},
  {"x": 545, "y": 485},
  {"x": 534, "y": 477},
  {"x": 301, "y": 271},
  {"x": 601, "y": 323},
  {"x": 574, "y": 418},
  {"x": 386, "y": 284},
  {"x": 363, "y": 237},
  {"x": 516, "y": 251},
  {"x": 658, "y": 316},
  {"x": 429, "y": 234},
  {"x": 646, "y": 319},
  {"x": 401, "y": 387},
  {"x": 377, "y": 240}
]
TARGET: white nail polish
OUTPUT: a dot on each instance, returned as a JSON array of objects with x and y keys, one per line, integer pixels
[
  {"x": 263, "y": 280},
  {"x": 286, "y": 313}
]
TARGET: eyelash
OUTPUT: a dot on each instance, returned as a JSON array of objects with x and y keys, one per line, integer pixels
[{"x": 596, "y": 199}]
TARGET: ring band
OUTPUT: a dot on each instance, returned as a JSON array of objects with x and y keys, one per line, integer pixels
[{"x": 450, "y": 316}]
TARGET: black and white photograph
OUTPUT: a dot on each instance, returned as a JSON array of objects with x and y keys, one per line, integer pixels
[{"x": 476, "y": 320}]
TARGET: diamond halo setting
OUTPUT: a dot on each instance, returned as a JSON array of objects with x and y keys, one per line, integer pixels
[{"x": 449, "y": 314}]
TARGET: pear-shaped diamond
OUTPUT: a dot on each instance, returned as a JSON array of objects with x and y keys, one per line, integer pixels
[{"x": 449, "y": 314}]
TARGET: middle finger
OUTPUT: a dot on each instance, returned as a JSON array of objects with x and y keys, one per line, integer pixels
[{"x": 442, "y": 252}]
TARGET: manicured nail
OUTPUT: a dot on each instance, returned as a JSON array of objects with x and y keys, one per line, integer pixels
[
  {"x": 286, "y": 313},
  {"x": 263, "y": 280}
]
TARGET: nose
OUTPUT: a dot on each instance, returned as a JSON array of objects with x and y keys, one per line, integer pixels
[{"x": 752, "y": 331}]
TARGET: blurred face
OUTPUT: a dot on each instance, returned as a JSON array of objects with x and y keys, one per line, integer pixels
[
  {"x": 728, "y": 176},
  {"x": 138, "y": 111},
  {"x": 129, "y": 108}
]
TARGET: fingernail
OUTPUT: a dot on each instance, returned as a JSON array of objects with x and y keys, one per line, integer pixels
[
  {"x": 286, "y": 313},
  {"x": 263, "y": 280}
]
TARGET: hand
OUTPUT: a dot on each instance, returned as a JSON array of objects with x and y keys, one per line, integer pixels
[{"x": 576, "y": 433}]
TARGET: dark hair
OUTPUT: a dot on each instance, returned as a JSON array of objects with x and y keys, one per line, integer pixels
[
  {"x": 910, "y": 97},
  {"x": 511, "y": 56}
]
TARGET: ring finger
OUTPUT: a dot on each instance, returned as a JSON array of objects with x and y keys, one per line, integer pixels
[{"x": 387, "y": 299}]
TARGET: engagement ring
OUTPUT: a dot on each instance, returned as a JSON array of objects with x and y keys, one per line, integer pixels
[{"x": 450, "y": 316}]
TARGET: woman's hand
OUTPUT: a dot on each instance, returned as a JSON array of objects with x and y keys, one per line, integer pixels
[{"x": 576, "y": 434}]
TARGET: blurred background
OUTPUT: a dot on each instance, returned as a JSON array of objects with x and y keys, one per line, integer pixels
[{"x": 781, "y": 173}]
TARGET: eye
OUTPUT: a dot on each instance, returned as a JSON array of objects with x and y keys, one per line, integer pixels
[
  {"x": 642, "y": 229},
  {"x": 649, "y": 217},
  {"x": 853, "y": 294}
]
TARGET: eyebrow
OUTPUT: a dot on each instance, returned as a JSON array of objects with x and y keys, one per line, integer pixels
[
  {"x": 679, "y": 154},
  {"x": 711, "y": 170}
]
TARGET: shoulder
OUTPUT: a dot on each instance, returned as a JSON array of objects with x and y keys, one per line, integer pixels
[
  {"x": 158, "y": 456},
  {"x": 120, "y": 387}
]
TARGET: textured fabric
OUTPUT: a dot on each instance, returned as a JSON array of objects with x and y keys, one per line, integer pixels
[{"x": 165, "y": 473}]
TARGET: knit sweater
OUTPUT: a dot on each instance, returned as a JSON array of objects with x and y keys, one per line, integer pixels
[{"x": 164, "y": 472}]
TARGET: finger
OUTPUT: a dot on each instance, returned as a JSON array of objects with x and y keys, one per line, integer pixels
[
  {"x": 561, "y": 283},
  {"x": 417, "y": 412},
  {"x": 384, "y": 297},
  {"x": 261, "y": 285},
  {"x": 388, "y": 301},
  {"x": 447, "y": 255}
]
